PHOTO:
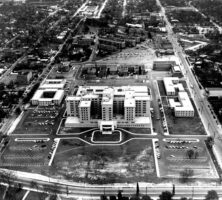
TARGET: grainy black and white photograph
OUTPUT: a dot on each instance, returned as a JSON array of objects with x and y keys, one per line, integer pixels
[{"x": 110, "y": 99}]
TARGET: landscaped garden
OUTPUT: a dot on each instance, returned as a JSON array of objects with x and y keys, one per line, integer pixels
[{"x": 100, "y": 137}]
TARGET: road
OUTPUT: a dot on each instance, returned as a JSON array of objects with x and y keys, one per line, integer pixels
[
  {"x": 85, "y": 190},
  {"x": 101, "y": 9},
  {"x": 197, "y": 94},
  {"x": 211, "y": 125},
  {"x": 124, "y": 8}
]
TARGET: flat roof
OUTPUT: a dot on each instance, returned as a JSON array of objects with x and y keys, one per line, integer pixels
[
  {"x": 38, "y": 95},
  {"x": 171, "y": 83},
  {"x": 186, "y": 104},
  {"x": 129, "y": 103},
  {"x": 142, "y": 120},
  {"x": 72, "y": 120},
  {"x": 53, "y": 83},
  {"x": 72, "y": 98},
  {"x": 85, "y": 104}
]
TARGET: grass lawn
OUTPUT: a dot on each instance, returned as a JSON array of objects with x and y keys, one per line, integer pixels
[
  {"x": 173, "y": 161},
  {"x": 2, "y": 190},
  {"x": 99, "y": 164},
  {"x": 16, "y": 193},
  {"x": 36, "y": 196},
  {"x": 183, "y": 125},
  {"x": 138, "y": 130},
  {"x": 98, "y": 136},
  {"x": 161, "y": 88}
]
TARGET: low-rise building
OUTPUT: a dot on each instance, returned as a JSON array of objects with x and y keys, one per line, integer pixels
[
  {"x": 183, "y": 107},
  {"x": 53, "y": 84},
  {"x": 214, "y": 92},
  {"x": 172, "y": 86},
  {"x": 47, "y": 97},
  {"x": 22, "y": 77}
]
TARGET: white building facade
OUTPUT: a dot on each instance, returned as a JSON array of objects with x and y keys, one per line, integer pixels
[
  {"x": 124, "y": 106},
  {"x": 183, "y": 106}
]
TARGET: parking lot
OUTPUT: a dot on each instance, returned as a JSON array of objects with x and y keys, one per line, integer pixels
[
  {"x": 39, "y": 121},
  {"x": 26, "y": 153},
  {"x": 175, "y": 158}
]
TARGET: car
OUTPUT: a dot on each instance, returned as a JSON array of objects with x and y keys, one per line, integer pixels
[{"x": 158, "y": 118}]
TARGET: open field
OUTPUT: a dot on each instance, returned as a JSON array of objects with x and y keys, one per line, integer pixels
[
  {"x": 27, "y": 153},
  {"x": 14, "y": 192},
  {"x": 36, "y": 196},
  {"x": 142, "y": 54},
  {"x": 174, "y": 159},
  {"x": 130, "y": 162},
  {"x": 39, "y": 121}
]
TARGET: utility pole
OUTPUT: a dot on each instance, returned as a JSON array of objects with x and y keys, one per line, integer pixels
[
  {"x": 192, "y": 193},
  {"x": 67, "y": 190}
]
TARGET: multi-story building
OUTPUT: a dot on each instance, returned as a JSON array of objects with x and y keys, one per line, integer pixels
[
  {"x": 172, "y": 86},
  {"x": 47, "y": 97},
  {"x": 50, "y": 92},
  {"x": 124, "y": 106},
  {"x": 184, "y": 107},
  {"x": 120, "y": 44}
]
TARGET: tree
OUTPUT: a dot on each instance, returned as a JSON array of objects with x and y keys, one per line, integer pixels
[
  {"x": 7, "y": 177},
  {"x": 166, "y": 195},
  {"x": 211, "y": 195},
  {"x": 146, "y": 197},
  {"x": 18, "y": 111},
  {"x": 120, "y": 195},
  {"x": 2, "y": 86},
  {"x": 196, "y": 154},
  {"x": 10, "y": 85},
  {"x": 185, "y": 175},
  {"x": 190, "y": 153},
  {"x": 103, "y": 197},
  {"x": 137, "y": 189},
  {"x": 210, "y": 141},
  {"x": 34, "y": 185},
  {"x": 2, "y": 113},
  {"x": 112, "y": 197},
  {"x": 173, "y": 190}
]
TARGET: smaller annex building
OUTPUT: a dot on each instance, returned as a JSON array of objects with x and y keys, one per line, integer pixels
[
  {"x": 50, "y": 92},
  {"x": 181, "y": 103}
]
